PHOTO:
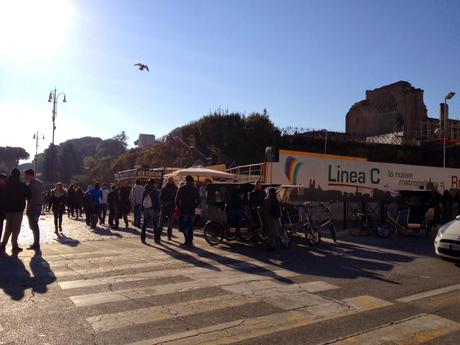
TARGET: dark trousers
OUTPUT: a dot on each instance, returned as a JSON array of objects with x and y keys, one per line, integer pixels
[
  {"x": 102, "y": 213},
  {"x": 88, "y": 216},
  {"x": 12, "y": 228},
  {"x": 137, "y": 215},
  {"x": 150, "y": 217},
  {"x": 124, "y": 215},
  {"x": 114, "y": 217},
  {"x": 58, "y": 218},
  {"x": 95, "y": 216},
  {"x": 167, "y": 212},
  {"x": 186, "y": 226},
  {"x": 71, "y": 210},
  {"x": 33, "y": 215}
]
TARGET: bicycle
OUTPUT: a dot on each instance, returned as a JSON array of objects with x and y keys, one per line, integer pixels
[
  {"x": 327, "y": 223},
  {"x": 366, "y": 221},
  {"x": 215, "y": 231},
  {"x": 303, "y": 225}
]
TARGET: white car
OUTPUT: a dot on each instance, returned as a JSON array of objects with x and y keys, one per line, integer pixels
[{"x": 447, "y": 242}]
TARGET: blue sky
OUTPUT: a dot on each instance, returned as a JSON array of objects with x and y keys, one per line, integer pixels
[{"x": 305, "y": 61}]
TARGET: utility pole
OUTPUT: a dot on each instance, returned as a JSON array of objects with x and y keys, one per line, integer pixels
[
  {"x": 53, "y": 97},
  {"x": 37, "y": 139}
]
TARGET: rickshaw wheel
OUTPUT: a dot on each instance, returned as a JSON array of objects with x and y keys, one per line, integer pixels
[
  {"x": 214, "y": 232},
  {"x": 431, "y": 231},
  {"x": 384, "y": 231},
  {"x": 313, "y": 236}
]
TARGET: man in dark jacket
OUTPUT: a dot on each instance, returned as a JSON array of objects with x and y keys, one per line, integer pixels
[
  {"x": 16, "y": 193},
  {"x": 187, "y": 200},
  {"x": 35, "y": 206},
  {"x": 2, "y": 202},
  {"x": 168, "y": 205},
  {"x": 113, "y": 200}
]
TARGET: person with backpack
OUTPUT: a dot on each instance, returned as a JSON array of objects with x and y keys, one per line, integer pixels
[
  {"x": 150, "y": 207},
  {"x": 271, "y": 213}
]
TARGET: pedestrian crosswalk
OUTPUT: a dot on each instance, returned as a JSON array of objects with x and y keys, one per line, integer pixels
[{"x": 126, "y": 297}]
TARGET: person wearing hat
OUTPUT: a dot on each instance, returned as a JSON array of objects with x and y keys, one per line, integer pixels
[
  {"x": 2, "y": 202},
  {"x": 16, "y": 193},
  {"x": 187, "y": 200}
]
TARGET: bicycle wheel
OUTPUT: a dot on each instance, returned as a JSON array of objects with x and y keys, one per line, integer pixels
[
  {"x": 312, "y": 235},
  {"x": 431, "y": 230},
  {"x": 284, "y": 238},
  {"x": 353, "y": 229},
  {"x": 384, "y": 231},
  {"x": 214, "y": 232}
]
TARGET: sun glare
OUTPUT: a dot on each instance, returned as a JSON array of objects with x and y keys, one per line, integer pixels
[{"x": 34, "y": 29}]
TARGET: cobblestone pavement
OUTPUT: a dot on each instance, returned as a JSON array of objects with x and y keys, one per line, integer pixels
[{"x": 74, "y": 231}]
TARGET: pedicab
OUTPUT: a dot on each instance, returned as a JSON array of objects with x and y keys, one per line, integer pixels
[
  {"x": 224, "y": 222},
  {"x": 416, "y": 211}
]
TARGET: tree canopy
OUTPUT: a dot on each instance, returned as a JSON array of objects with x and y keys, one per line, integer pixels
[{"x": 10, "y": 157}]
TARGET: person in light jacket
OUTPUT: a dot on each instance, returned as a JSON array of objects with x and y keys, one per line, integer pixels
[{"x": 136, "y": 197}]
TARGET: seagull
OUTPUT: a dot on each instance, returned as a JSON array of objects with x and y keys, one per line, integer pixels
[{"x": 142, "y": 66}]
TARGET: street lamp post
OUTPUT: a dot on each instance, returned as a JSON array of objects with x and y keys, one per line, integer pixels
[
  {"x": 53, "y": 97},
  {"x": 37, "y": 139},
  {"x": 444, "y": 127}
]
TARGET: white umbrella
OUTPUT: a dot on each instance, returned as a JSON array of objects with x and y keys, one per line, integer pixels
[{"x": 202, "y": 172}]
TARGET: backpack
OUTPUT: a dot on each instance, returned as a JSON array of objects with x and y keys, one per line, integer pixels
[{"x": 147, "y": 202}]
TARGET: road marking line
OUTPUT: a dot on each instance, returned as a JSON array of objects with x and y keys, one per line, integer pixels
[
  {"x": 158, "y": 290},
  {"x": 415, "y": 330},
  {"x": 430, "y": 293},
  {"x": 249, "y": 328},
  {"x": 106, "y": 322},
  {"x": 193, "y": 272}
]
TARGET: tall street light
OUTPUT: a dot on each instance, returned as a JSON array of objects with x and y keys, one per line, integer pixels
[
  {"x": 37, "y": 139},
  {"x": 444, "y": 129},
  {"x": 53, "y": 97}
]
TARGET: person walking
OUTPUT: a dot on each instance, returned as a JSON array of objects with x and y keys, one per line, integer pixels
[
  {"x": 79, "y": 195},
  {"x": 103, "y": 207},
  {"x": 168, "y": 205},
  {"x": 136, "y": 198},
  {"x": 271, "y": 213},
  {"x": 256, "y": 198},
  {"x": 125, "y": 203},
  {"x": 16, "y": 193},
  {"x": 113, "y": 201},
  {"x": 71, "y": 201},
  {"x": 187, "y": 199},
  {"x": 34, "y": 206},
  {"x": 57, "y": 204},
  {"x": 95, "y": 197},
  {"x": 150, "y": 207},
  {"x": 2, "y": 202},
  {"x": 87, "y": 206}
]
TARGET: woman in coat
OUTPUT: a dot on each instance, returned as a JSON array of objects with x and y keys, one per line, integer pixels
[{"x": 57, "y": 203}]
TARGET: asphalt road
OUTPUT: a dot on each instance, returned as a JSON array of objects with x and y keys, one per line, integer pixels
[{"x": 362, "y": 290}]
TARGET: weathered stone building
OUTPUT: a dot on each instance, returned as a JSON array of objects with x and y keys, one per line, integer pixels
[{"x": 397, "y": 108}]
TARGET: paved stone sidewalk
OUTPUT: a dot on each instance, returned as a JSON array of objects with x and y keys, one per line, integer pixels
[{"x": 74, "y": 231}]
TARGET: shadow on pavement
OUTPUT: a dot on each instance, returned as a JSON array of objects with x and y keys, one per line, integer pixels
[
  {"x": 68, "y": 241},
  {"x": 15, "y": 279}
]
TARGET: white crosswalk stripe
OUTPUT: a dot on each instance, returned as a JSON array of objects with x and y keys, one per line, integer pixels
[{"x": 241, "y": 283}]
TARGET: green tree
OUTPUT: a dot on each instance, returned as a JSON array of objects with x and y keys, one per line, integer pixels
[
  {"x": 51, "y": 164},
  {"x": 10, "y": 157},
  {"x": 70, "y": 161},
  {"x": 122, "y": 138},
  {"x": 110, "y": 148}
]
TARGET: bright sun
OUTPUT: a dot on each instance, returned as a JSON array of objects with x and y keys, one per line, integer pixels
[{"x": 33, "y": 29}]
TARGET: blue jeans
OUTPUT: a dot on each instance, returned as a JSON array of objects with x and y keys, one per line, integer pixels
[
  {"x": 137, "y": 215},
  {"x": 150, "y": 217},
  {"x": 186, "y": 226},
  {"x": 33, "y": 215}
]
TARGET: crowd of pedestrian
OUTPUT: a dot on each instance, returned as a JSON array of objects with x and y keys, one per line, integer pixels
[{"x": 153, "y": 207}]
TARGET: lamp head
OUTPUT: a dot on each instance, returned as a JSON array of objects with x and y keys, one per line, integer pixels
[
  {"x": 64, "y": 100},
  {"x": 450, "y": 95},
  {"x": 50, "y": 98}
]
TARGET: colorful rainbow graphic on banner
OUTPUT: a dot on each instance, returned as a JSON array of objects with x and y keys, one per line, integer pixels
[{"x": 291, "y": 169}]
